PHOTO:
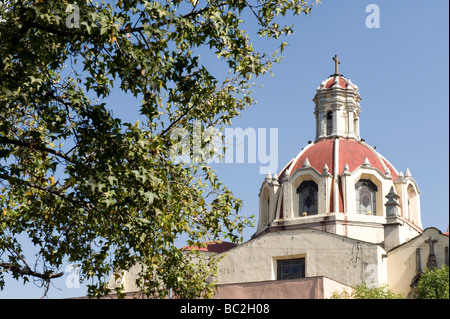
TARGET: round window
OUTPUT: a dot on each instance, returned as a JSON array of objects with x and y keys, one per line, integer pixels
[{"x": 365, "y": 200}]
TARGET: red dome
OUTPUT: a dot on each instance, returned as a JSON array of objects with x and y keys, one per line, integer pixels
[
  {"x": 330, "y": 83},
  {"x": 343, "y": 82},
  {"x": 350, "y": 152}
]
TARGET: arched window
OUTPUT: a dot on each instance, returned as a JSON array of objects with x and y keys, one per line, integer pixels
[
  {"x": 366, "y": 202},
  {"x": 329, "y": 123},
  {"x": 308, "y": 198},
  {"x": 412, "y": 204}
]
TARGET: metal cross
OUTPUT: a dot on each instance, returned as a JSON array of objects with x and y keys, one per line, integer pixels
[{"x": 336, "y": 62}]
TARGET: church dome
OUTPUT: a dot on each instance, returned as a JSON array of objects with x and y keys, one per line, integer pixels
[
  {"x": 341, "y": 155},
  {"x": 339, "y": 183},
  {"x": 338, "y": 158},
  {"x": 337, "y": 81}
]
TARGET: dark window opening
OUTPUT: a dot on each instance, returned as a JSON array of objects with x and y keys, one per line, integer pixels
[
  {"x": 307, "y": 198},
  {"x": 366, "y": 202},
  {"x": 291, "y": 268},
  {"x": 329, "y": 123}
]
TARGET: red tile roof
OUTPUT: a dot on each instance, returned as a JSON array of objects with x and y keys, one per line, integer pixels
[
  {"x": 318, "y": 155},
  {"x": 330, "y": 82},
  {"x": 350, "y": 152},
  {"x": 354, "y": 153},
  {"x": 214, "y": 247}
]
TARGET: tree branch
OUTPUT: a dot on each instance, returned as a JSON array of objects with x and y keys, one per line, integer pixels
[
  {"x": 51, "y": 29},
  {"x": 176, "y": 121},
  {"x": 186, "y": 16},
  {"x": 5, "y": 140},
  {"x": 45, "y": 189},
  {"x": 28, "y": 271}
]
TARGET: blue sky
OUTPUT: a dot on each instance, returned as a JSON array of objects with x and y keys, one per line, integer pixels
[{"x": 401, "y": 69}]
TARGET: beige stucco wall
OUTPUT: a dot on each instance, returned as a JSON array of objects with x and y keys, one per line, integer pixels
[
  {"x": 330, "y": 286},
  {"x": 356, "y": 226},
  {"x": 342, "y": 259},
  {"x": 127, "y": 279},
  {"x": 402, "y": 260}
]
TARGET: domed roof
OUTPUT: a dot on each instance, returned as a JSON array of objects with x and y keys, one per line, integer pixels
[
  {"x": 338, "y": 178},
  {"x": 337, "y": 81},
  {"x": 341, "y": 154}
]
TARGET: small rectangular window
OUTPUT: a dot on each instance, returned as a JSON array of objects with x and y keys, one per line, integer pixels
[{"x": 291, "y": 268}]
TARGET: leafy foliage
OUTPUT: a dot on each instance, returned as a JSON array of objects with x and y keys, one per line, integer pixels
[
  {"x": 433, "y": 284},
  {"x": 84, "y": 187},
  {"x": 363, "y": 292}
]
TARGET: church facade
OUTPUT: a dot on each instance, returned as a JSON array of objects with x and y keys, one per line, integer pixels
[
  {"x": 338, "y": 210},
  {"x": 337, "y": 215}
]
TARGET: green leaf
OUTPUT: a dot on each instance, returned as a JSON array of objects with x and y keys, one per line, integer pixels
[{"x": 115, "y": 182}]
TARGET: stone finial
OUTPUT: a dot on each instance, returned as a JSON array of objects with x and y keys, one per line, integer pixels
[
  {"x": 346, "y": 169},
  {"x": 268, "y": 176},
  {"x": 408, "y": 173},
  {"x": 326, "y": 170},
  {"x": 286, "y": 175},
  {"x": 349, "y": 84},
  {"x": 275, "y": 177},
  {"x": 401, "y": 178},
  {"x": 392, "y": 205},
  {"x": 306, "y": 163},
  {"x": 321, "y": 86},
  {"x": 366, "y": 162},
  {"x": 387, "y": 172},
  {"x": 392, "y": 196},
  {"x": 336, "y": 82}
]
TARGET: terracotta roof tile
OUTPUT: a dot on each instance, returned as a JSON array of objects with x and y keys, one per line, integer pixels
[{"x": 214, "y": 247}]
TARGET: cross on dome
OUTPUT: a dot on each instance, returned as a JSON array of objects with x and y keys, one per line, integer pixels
[
  {"x": 336, "y": 63},
  {"x": 337, "y": 114}
]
